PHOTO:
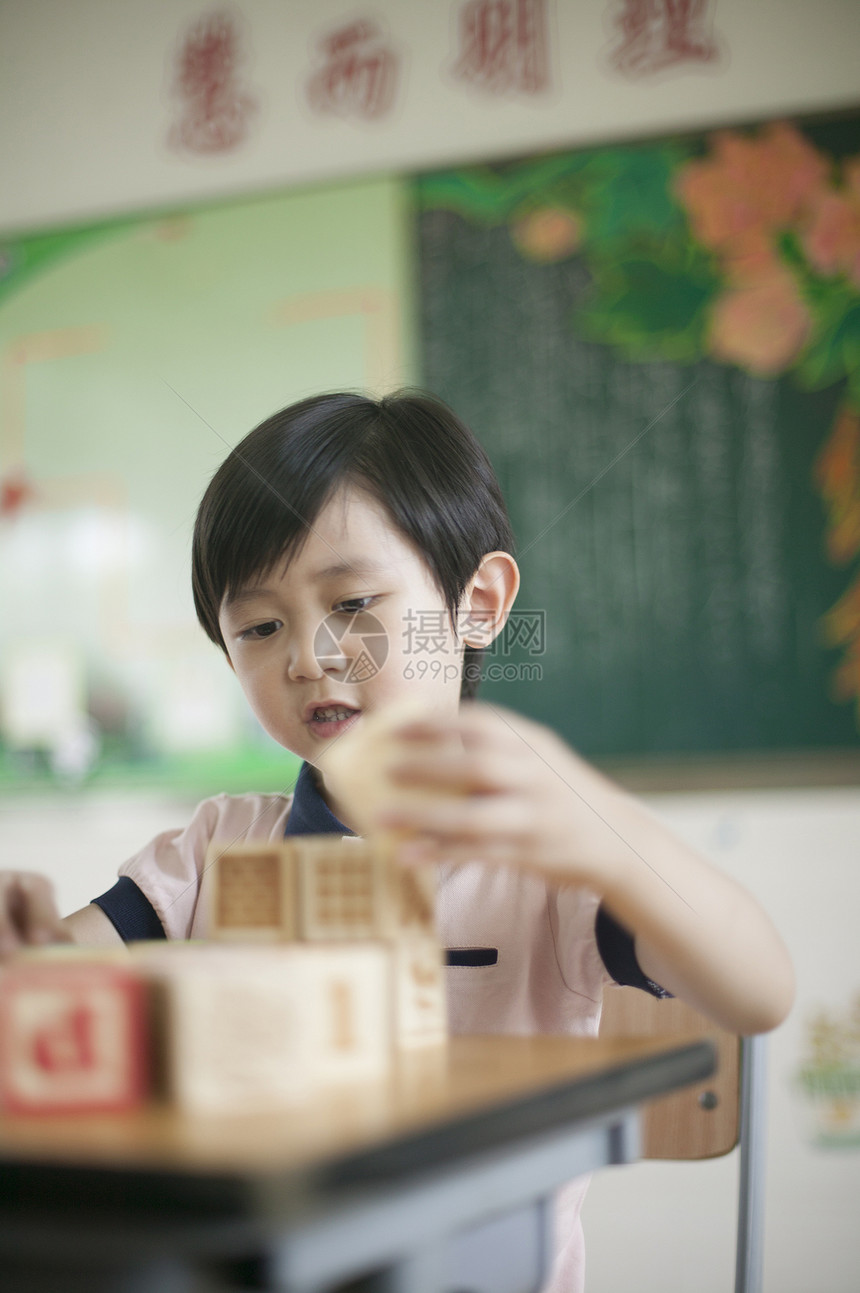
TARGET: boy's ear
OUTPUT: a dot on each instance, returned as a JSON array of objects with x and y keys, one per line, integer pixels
[{"x": 488, "y": 598}]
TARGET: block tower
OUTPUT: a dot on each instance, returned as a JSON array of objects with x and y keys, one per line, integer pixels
[{"x": 330, "y": 890}]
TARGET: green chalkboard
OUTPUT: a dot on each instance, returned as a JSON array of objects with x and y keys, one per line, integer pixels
[{"x": 661, "y": 392}]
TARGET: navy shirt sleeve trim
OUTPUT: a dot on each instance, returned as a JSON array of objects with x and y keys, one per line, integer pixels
[
  {"x": 618, "y": 953},
  {"x": 130, "y": 912}
]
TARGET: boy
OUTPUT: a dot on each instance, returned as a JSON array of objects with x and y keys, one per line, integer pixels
[{"x": 328, "y": 532}]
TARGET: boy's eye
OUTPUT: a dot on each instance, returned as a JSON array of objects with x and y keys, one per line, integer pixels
[
  {"x": 258, "y": 631},
  {"x": 354, "y": 604}
]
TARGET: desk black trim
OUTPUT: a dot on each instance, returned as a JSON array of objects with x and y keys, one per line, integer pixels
[
  {"x": 554, "y": 1105},
  {"x": 180, "y": 1198}
]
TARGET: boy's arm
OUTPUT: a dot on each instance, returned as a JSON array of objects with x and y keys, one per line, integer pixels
[
  {"x": 696, "y": 931},
  {"x": 91, "y": 927},
  {"x": 29, "y": 916}
]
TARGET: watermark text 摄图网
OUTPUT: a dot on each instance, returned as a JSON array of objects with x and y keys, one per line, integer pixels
[
  {"x": 428, "y": 632},
  {"x": 356, "y": 645}
]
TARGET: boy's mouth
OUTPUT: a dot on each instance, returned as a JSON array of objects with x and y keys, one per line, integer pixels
[{"x": 330, "y": 720}]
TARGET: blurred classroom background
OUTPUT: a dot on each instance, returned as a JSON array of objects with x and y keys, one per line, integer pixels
[{"x": 622, "y": 238}]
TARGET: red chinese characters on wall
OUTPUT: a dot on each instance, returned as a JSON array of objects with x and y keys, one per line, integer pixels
[
  {"x": 658, "y": 34},
  {"x": 358, "y": 75},
  {"x": 16, "y": 491},
  {"x": 216, "y": 110},
  {"x": 503, "y": 46}
]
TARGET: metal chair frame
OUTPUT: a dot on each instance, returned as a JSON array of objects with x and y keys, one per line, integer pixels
[{"x": 749, "y": 1261}]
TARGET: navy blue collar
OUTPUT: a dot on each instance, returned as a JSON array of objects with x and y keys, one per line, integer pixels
[{"x": 309, "y": 813}]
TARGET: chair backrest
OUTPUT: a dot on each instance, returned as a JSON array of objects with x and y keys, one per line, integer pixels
[{"x": 702, "y": 1121}]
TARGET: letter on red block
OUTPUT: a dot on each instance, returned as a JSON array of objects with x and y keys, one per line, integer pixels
[{"x": 72, "y": 1039}]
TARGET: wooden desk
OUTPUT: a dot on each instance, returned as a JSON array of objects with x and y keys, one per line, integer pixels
[{"x": 408, "y": 1178}]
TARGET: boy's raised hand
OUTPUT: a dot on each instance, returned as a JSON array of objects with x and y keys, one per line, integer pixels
[
  {"x": 28, "y": 912},
  {"x": 508, "y": 791}
]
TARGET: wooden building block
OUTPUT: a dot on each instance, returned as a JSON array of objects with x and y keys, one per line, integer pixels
[
  {"x": 325, "y": 890},
  {"x": 250, "y": 890},
  {"x": 230, "y": 1026},
  {"x": 343, "y": 889},
  {"x": 238, "y": 1028},
  {"x": 64, "y": 953},
  {"x": 351, "y": 1026},
  {"x": 353, "y": 889},
  {"x": 415, "y": 911},
  {"x": 356, "y": 766},
  {"x": 419, "y": 1001},
  {"x": 73, "y": 1036}
]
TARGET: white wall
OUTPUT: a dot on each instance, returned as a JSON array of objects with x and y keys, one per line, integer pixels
[
  {"x": 670, "y": 1227},
  {"x": 87, "y": 98},
  {"x": 653, "y": 1227}
]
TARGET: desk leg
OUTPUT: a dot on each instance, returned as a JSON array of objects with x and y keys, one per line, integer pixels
[{"x": 510, "y": 1254}]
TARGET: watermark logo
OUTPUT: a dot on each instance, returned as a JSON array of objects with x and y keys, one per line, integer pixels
[
  {"x": 356, "y": 646},
  {"x": 356, "y": 643}
]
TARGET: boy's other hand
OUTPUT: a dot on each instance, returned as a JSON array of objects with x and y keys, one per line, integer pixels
[{"x": 28, "y": 912}]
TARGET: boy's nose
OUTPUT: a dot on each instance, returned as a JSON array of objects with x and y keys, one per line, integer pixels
[
  {"x": 311, "y": 657},
  {"x": 303, "y": 664}
]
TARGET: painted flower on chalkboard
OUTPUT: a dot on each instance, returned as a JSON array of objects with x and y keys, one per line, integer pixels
[
  {"x": 782, "y": 223},
  {"x": 548, "y": 234},
  {"x": 740, "y": 200},
  {"x": 750, "y": 187},
  {"x": 832, "y": 238},
  {"x": 761, "y": 325},
  {"x": 838, "y": 478},
  {"x": 842, "y": 629}
]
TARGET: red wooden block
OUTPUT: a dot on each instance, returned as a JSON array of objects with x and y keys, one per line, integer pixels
[{"x": 72, "y": 1038}]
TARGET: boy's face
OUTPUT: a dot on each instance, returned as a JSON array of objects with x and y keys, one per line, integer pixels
[{"x": 355, "y": 621}]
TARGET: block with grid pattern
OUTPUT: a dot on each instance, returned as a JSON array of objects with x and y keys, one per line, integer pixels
[
  {"x": 250, "y": 890},
  {"x": 342, "y": 891}
]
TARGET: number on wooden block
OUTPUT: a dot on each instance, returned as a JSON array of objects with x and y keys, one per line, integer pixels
[
  {"x": 350, "y": 1031},
  {"x": 340, "y": 997}
]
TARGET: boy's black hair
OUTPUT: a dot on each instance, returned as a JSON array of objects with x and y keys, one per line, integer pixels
[{"x": 408, "y": 450}]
